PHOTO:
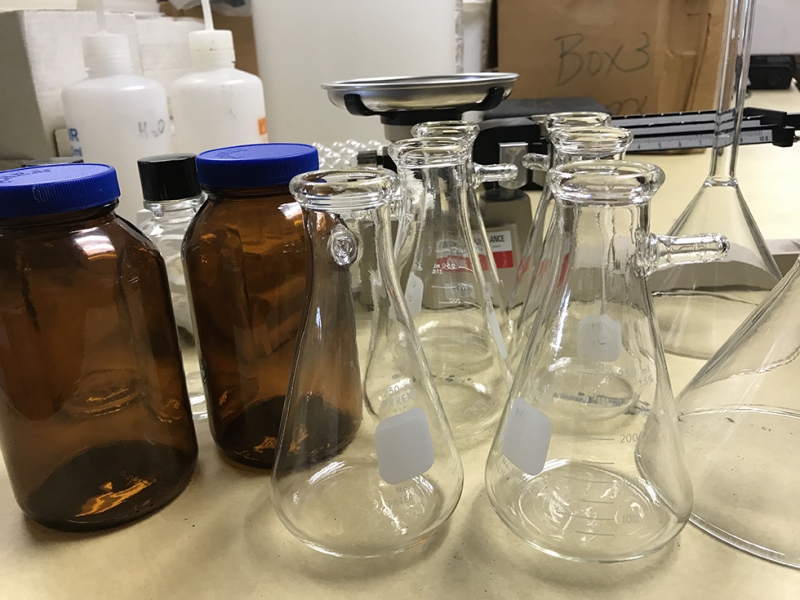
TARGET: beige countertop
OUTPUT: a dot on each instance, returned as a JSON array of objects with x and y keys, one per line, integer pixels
[{"x": 221, "y": 538}]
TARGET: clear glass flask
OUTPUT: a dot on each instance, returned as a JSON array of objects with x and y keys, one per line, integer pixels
[
  {"x": 740, "y": 422},
  {"x": 468, "y": 133},
  {"x": 446, "y": 290},
  {"x": 366, "y": 464},
  {"x": 534, "y": 243},
  {"x": 699, "y": 306},
  {"x": 172, "y": 194},
  {"x": 569, "y": 144},
  {"x": 587, "y": 463}
]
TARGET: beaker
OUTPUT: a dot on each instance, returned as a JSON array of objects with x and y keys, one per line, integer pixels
[
  {"x": 446, "y": 290},
  {"x": 740, "y": 422},
  {"x": 534, "y": 242},
  {"x": 699, "y": 306},
  {"x": 366, "y": 464},
  {"x": 587, "y": 463},
  {"x": 468, "y": 133},
  {"x": 570, "y": 144}
]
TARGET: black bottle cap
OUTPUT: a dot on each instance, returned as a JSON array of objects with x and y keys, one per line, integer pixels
[{"x": 168, "y": 177}]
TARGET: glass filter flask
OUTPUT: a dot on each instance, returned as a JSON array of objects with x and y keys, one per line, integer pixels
[
  {"x": 587, "y": 463},
  {"x": 366, "y": 464},
  {"x": 569, "y": 144},
  {"x": 468, "y": 133},
  {"x": 740, "y": 422},
  {"x": 534, "y": 243},
  {"x": 699, "y": 306},
  {"x": 446, "y": 291}
]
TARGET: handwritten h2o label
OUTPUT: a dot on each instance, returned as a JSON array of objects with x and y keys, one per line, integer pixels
[{"x": 576, "y": 58}]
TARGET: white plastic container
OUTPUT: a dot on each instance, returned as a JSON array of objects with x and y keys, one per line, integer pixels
[
  {"x": 116, "y": 117},
  {"x": 216, "y": 105}
]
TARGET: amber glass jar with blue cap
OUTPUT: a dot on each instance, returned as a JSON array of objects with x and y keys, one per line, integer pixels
[
  {"x": 245, "y": 260},
  {"x": 95, "y": 424}
]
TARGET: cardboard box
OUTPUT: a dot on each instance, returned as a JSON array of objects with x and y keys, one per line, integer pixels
[{"x": 633, "y": 56}]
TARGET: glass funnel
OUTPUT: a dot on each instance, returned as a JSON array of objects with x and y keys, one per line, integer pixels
[
  {"x": 446, "y": 290},
  {"x": 468, "y": 133},
  {"x": 699, "y": 306},
  {"x": 534, "y": 243},
  {"x": 366, "y": 464},
  {"x": 740, "y": 421},
  {"x": 570, "y": 144},
  {"x": 586, "y": 463}
]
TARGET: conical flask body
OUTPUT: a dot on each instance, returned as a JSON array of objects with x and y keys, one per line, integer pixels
[
  {"x": 366, "y": 464},
  {"x": 738, "y": 417},
  {"x": 569, "y": 144},
  {"x": 586, "y": 463},
  {"x": 447, "y": 294}
]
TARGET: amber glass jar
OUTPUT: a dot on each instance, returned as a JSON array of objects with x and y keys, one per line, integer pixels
[
  {"x": 245, "y": 259},
  {"x": 95, "y": 425}
]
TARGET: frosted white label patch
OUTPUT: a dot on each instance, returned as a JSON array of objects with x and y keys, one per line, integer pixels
[
  {"x": 497, "y": 334},
  {"x": 599, "y": 339},
  {"x": 414, "y": 289},
  {"x": 526, "y": 438},
  {"x": 404, "y": 446}
]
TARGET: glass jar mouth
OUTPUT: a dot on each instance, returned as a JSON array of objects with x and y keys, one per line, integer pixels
[
  {"x": 450, "y": 129},
  {"x": 597, "y": 141},
  {"x": 337, "y": 190},
  {"x": 598, "y": 182},
  {"x": 576, "y": 119},
  {"x": 429, "y": 152}
]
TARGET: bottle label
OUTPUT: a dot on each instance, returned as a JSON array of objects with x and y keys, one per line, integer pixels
[
  {"x": 526, "y": 438},
  {"x": 404, "y": 446},
  {"x": 414, "y": 289},
  {"x": 599, "y": 339},
  {"x": 262, "y": 126},
  {"x": 497, "y": 334}
]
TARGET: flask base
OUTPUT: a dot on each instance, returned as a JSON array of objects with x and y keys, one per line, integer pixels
[
  {"x": 584, "y": 512},
  {"x": 352, "y": 512}
]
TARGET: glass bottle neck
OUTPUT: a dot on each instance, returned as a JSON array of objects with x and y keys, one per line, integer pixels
[
  {"x": 86, "y": 218},
  {"x": 175, "y": 208}
]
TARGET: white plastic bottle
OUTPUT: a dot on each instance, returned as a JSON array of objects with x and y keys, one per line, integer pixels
[
  {"x": 216, "y": 105},
  {"x": 116, "y": 117}
]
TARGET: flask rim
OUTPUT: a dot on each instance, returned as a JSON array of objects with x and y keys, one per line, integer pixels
[
  {"x": 605, "y": 182},
  {"x": 430, "y": 152},
  {"x": 449, "y": 129},
  {"x": 580, "y": 118},
  {"x": 598, "y": 141},
  {"x": 337, "y": 190}
]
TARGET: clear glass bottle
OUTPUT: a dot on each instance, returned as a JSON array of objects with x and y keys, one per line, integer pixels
[
  {"x": 468, "y": 133},
  {"x": 700, "y": 306},
  {"x": 172, "y": 194},
  {"x": 366, "y": 464},
  {"x": 534, "y": 242},
  {"x": 739, "y": 419},
  {"x": 569, "y": 144},
  {"x": 587, "y": 463},
  {"x": 446, "y": 290},
  {"x": 95, "y": 424},
  {"x": 245, "y": 257}
]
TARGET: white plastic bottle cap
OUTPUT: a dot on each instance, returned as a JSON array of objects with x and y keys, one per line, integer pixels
[
  {"x": 212, "y": 48},
  {"x": 107, "y": 54}
]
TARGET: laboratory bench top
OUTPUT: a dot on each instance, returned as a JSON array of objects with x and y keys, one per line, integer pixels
[{"x": 221, "y": 538}]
